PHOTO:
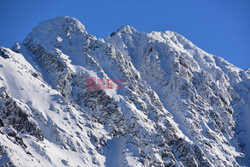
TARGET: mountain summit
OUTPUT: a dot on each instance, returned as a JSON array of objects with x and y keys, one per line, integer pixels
[{"x": 174, "y": 104}]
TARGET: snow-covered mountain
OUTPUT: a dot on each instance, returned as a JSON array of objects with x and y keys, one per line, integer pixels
[{"x": 177, "y": 105}]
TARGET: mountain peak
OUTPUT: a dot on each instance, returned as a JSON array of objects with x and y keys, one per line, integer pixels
[
  {"x": 55, "y": 30},
  {"x": 125, "y": 29},
  {"x": 62, "y": 21}
]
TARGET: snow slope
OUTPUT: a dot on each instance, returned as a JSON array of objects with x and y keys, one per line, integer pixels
[{"x": 178, "y": 106}]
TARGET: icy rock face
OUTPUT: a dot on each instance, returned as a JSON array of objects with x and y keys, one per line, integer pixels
[
  {"x": 178, "y": 106},
  {"x": 19, "y": 117}
]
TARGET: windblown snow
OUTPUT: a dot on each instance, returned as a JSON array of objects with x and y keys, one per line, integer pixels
[{"x": 178, "y": 105}]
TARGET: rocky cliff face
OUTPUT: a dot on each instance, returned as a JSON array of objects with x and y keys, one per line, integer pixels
[{"x": 178, "y": 105}]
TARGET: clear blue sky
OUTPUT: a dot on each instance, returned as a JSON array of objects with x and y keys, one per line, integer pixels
[{"x": 220, "y": 27}]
